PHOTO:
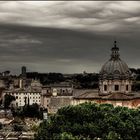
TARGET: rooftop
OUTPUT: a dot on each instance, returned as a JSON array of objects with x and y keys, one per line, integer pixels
[{"x": 112, "y": 96}]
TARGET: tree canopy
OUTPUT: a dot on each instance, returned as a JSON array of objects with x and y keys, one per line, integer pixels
[
  {"x": 31, "y": 111},
  {"x": 7, "y": 100},
  {"x": 92, "y": 121}
]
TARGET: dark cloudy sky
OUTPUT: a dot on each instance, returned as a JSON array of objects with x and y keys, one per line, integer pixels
[{"x": 67, "y": 37}]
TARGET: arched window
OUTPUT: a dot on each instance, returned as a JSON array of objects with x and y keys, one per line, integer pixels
[{"x": 116, "y": 72}]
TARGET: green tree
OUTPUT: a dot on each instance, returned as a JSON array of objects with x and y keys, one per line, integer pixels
[
  {"x": 92, "y": 121},
  {"x": 31, "y": 111},
  {"x": 113, "y": 136},
  {"x": 7, "y": 100},
  {"x": 68, "y": 136}
]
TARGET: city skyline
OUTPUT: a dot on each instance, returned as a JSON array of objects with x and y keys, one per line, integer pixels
[{"x": 67, "y": 37}]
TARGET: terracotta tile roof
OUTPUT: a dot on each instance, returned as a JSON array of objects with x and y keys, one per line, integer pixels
[{"x": 112, "y": 96}]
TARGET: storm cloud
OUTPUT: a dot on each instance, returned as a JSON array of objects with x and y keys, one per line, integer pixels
[{"x": 67, "y": 37}]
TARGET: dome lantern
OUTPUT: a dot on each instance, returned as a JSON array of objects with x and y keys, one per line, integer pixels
[{"x": 115, "y": 51}]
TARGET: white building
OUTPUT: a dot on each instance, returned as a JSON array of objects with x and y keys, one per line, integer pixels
[
  {"x": 23, "y": 95},
  {"x": 26, "y": 96}
]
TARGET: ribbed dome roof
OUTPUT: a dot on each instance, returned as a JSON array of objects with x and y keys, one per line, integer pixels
[{"x": 115, "y": 68}]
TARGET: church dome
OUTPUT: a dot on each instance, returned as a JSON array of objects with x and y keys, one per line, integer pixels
[{"x": 115, "y": 68}]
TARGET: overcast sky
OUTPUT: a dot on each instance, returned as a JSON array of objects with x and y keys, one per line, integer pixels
[{"x": 67, "y": 37}]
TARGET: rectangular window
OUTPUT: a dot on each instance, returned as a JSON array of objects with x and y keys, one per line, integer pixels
[
  {"x": 127, "y": 87},
  {"x": 116, "y": 87},
  {"x": 105, "y": 87}
]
